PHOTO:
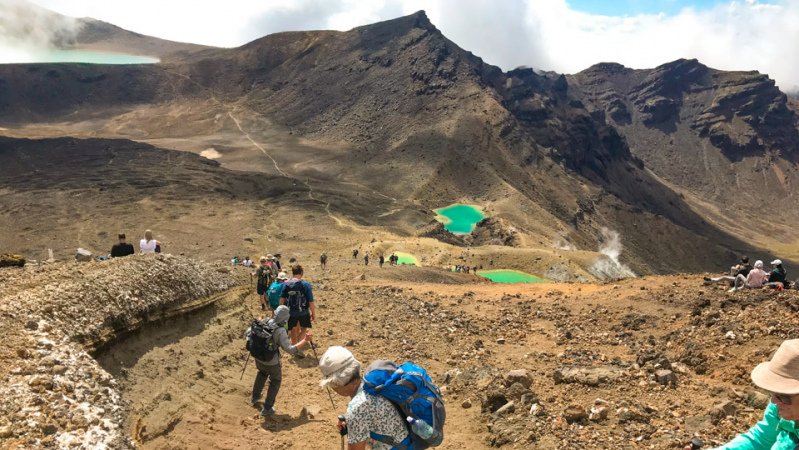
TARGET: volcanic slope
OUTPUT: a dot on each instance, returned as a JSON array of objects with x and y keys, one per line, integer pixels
[
  {"x": 727, "y": 141},
  {"x": 394, "y": 109}
]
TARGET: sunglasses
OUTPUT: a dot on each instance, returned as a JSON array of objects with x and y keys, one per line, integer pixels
[{"x": 783, "y": 398}]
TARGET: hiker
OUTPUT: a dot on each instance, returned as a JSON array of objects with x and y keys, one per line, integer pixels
[
  {"x": 754, "y": 280},
  {"x": 323, "y": 260},
  {"x": 366, "y": 259},
  {"x": 355, "y": 254},
  {"x": 274, "y": 292},
  {"x": 276, "y": 261},
  {"x": 780, "y": 377},
  {"x": 264, "y": 277},
  {"x": 235, "y": 260},
  {"x": 777, "y": 276},
  {"x": 270, "y": 261},
  {"x": 298, "y": 296},
  {"x": 121, "y": 249},
  {"x": 148, "y": 244},
  {"x": 265, "y": 338},
  {"x": 741, "y": 269},
  {"x": 381, "y": 261},
  {"x": 367, "y": 415},
  {"x": 247, "y": 262},
  {"x": 474, "y": 270}
]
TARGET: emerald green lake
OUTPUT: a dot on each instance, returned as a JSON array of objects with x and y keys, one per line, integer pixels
[
  {"x": 460, "y": 218},
  {"x": 510, "y": 276},
  {"x": 405, "y": 258},
  {"x": 79, "y": 56}
]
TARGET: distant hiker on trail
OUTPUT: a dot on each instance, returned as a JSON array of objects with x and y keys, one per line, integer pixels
[
  {"x": 366, "y": 259},
  {"x": 276, "y": 260},
  {"x": 754, "y": 280},
  {"x": 298, "y": 296},
  {"x": 265, "y": 338},
  {"x": 381, "y": 400},
  {"x": 741, "y": 269},
  {"x": 148, "y": 244},
  {"x": 777, "y": 430},
  {"x": 355, "y": 254},
  {"x": 265, "y": 275},
  {"x": 776, "y": 279},
  {"x": 275, "y": 290},
  {"x": 323, "y": 260},
  {"x": 474, "y": 270},
  {"x": 121, "y": 249},
  {"x": 247, "y": 262},
  {"x": 381, "y": 260},
  {"x": 270, "y": 261}
]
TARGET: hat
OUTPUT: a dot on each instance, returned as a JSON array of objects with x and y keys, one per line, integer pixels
[
  {"x": 282, "y": 276},
  {"x": 278, "y": 255},
  {"x": 781, "y": 374},
  {"x": 776, "y": 262},
  {"x": 758, "y": 264},
  {"x": 269, "y": 256},
  {"x": 335, "y": 361},
  {"x": 263, "y": 258}
]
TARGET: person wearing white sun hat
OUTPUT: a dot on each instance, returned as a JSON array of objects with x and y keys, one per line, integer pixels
[{"x": 778, "y": 430}]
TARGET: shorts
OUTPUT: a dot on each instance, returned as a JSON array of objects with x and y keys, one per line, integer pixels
[
  {"x": 304, "y": 321},
  {"x": 261, "y": 290}
]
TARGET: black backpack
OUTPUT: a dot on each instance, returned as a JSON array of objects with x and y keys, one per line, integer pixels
[
  {"x": 265, "y": 276},
  {"x": 296, "y": 297},
  {"x": 259, "y": 340}
]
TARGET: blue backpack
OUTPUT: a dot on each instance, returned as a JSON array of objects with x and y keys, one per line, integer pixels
[
  {"x": 296, "y": 297},
  {"x": 411, "y": 390}
]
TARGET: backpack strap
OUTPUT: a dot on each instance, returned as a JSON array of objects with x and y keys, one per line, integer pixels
[{"x": 407, "y": 444}]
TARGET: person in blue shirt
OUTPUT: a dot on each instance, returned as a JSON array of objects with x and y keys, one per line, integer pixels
[
  {"x": 298, "y": 296},
  {"x": 778, "y": 429}
]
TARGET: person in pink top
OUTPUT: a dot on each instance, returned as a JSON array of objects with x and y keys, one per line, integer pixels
[{"x": 754, "y": 280}]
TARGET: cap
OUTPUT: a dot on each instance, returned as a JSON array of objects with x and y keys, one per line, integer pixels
[
  {"x": 336, "y": 359},
  {"x": 776, "y": 262},
  {"x": 269, "y": 256}
]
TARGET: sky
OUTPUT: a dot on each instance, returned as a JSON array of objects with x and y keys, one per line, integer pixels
[{"x": 561, "y": 35}]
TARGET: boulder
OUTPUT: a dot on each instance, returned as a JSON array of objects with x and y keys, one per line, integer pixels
[
  {"x": 757, "y": 400},
  {"x": 83, "y": 255},
  {"x": 598, "y": 414},
  {"x": 9, "y": 260},
  {"x": 575, "y": 413},
  {"x": 521, "y": 376},
  {"x": 590, "y": 376},
  {"x": 311, "y": 411},
  {"x": 507, "y": 408},
  {"x": 666, "y": 378}
]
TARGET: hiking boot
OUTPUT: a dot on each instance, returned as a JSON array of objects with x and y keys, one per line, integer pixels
[
  {"x": 733, "y": 290},
  {"x": 707, "y": 279},
  {"x": 266, "y": 412},
  {"x": 255, "y": 400}
]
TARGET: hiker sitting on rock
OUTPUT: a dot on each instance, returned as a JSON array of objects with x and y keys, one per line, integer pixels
[
  {"x": 776, "y": 278},
  {"x": 148, "y": 244},
  {"x": 264, "y": 341},
  {"x": 778, "y": 429},
  {"x": 741, "y": 269},
  {"x": 366, "y": 414},
  {"x": 754, "y": 280},
  {"x": 121, "y": 249}
]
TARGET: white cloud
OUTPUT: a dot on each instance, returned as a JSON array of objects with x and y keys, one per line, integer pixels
[{"x": 545, "y": 34}]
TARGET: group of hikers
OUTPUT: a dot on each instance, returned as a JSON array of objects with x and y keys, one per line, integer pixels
[
  {"x": 747, "y": 276},
  {"x": 466, "y": 269},
  {"x": 393, "y": 260},
  {"x": 147, "y": 245}
]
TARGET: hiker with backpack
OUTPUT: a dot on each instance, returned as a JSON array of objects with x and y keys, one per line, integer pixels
[
  {"x": 265, "y": 276},
  {"x": 265, "y": 338},
  {"x": 274, "y": 292},
  {"x": 323, "y": 260},
  {"x": 276, "y": 261},
  {"x": 355, "y": 254},
  {"x": 381, "y": 260},
  {"x": 384, "y": 409},
  {"x": 366, "y": 259},
  {"x": 298, "y": 296}
]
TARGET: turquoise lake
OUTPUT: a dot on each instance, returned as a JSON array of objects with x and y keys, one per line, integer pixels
[
  {"x": 80, "y": 56},
  {"x": 510, "y": 276},
  {"x": 406, "y": 258},
  {"x": 460, "y": 218}
]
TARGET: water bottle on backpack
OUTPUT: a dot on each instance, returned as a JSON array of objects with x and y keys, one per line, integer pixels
[{"x": 422, "y": 428}]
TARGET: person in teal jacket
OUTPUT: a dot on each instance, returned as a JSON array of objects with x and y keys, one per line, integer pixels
[
  {"x": 777, "y": 430},
  {"x": 273, "y": 293}
]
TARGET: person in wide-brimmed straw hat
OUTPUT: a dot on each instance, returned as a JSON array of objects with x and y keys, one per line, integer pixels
[{"x": 778, "y": 429}]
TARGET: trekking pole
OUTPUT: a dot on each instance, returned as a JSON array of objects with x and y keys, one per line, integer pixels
[
  {"x": 245, "y": 367},
  {"x": 328, "y": 389},
  {"x": 343, "y": 431}
]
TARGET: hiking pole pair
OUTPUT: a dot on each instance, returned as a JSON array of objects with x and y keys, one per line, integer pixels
[{"x": 313, "y": 348}]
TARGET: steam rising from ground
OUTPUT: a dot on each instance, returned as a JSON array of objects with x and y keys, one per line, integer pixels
[
  {"x": 27, "y": 29},
  {"x": 609, "y": 266}
]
